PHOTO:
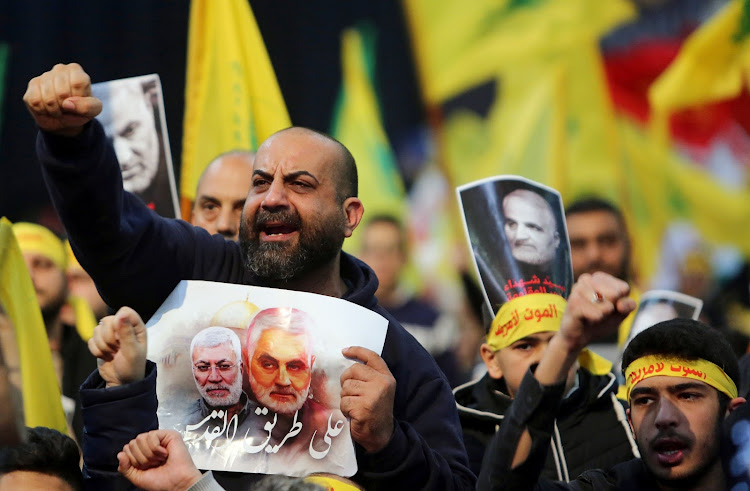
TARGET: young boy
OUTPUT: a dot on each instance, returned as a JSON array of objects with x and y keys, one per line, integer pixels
[{"x": 591, "y": 428}]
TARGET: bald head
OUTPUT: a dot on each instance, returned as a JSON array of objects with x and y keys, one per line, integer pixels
[
  {"x": 342, "y": 161},
  {"x": 299, "y": 210},
  {"x": 530, "y": 227},
  {"x": 221, "y": 193}
]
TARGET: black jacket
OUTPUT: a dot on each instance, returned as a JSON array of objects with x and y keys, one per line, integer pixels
[
  {"x": 534, "y": 409},
  {"x": 591, "y": 430},
  {"x": 137, "y": 258}
]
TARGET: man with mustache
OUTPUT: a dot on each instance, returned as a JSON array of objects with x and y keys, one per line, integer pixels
[
  {"x": 280, "y": 359},
  {"x": 280, "y": 352},
  {"x": 599, "y": 241},
  {"x": 217, "y": 369},
  {"x": 681, "y": 381},
  {"x": 531, "y": 230},
  {"x": 221, "y": 192},
  {"x": 301, "y": 206}
]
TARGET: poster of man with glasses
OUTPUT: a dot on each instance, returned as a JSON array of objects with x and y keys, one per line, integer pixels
[{"x": 250, "y": 376}]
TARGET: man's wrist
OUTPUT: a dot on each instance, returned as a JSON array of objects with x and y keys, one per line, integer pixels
[
  {"x": 558, "y": 358},
  {"x": 68, "y": 132},
  {"x": 569, "y": 346}
]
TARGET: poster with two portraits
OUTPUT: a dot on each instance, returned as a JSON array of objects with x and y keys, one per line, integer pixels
[{"x": 250, "y": 376}]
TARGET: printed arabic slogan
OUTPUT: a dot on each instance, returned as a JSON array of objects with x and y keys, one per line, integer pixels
[
  {"x": 699, "y": 369},
  {"x": 518, "y": 236},
  {"x": 250, "y": 376}
]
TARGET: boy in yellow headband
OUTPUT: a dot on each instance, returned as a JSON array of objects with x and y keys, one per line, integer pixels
[
  {"x": 591, "y": 428},
  {"x": 681, "y": 378}
]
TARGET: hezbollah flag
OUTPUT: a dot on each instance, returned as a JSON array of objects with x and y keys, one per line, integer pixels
[
  {"x": 459, "y": 45},
  {"x": 357, "y": 125},
  {"x": 550, "y": 120},
  {"x": 232, "y": 99},
  {"x": 549, "y": 117},
  {"x": 665, "y": 187},
  {"x": 713, "y": 65},
  {"x": 41, "y": 394}
]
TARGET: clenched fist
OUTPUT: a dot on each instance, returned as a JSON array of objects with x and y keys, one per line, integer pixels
[{"x": 60, "y": 100}]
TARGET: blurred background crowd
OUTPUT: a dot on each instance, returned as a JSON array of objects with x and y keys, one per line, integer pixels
[{"x": 642, "y": 103}]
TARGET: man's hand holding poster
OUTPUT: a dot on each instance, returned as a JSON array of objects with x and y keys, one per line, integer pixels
[{"x": 251, "y": 376}]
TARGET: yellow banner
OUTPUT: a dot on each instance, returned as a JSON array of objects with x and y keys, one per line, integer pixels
[
  {"x": 357, "y": 124},
  {"x": 41, "y": 394},
  {"x": 232, "y": 99},
  {"x": 459, "y": 45}
]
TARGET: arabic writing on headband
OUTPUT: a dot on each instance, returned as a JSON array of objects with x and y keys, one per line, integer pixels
[
  {"x": 229, "y": 429},
  {"x": 528, "y": 314},
  {"x": 527, "y": 285},
  {"x": 637, "y": 375}
]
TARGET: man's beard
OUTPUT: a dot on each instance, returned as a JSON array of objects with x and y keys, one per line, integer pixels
[
  {"x": 235, "y": 392},
  {"x": 317, "y": 244},
  {"x": 263, "y": 395},
  {"x": 51, "y": 309}
]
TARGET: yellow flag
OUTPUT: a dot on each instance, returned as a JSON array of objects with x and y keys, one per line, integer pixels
[
  {"x": 232, "y": 99},
  {"x": 41, "y": 394},
  {"x": 357, "y": 125},
  {"x": 459, "y": 45},
  {"x": 551, "y": 121},
  {"x": 713, "y": 65},
  {"x": 550, "y": 118},
  {"x": 663, "y": 187},
  {"x": 85, "y": 319}
]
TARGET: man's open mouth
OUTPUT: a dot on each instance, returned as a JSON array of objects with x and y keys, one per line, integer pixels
[
  {"x": 277, "y": 229},
  {"x": 670, "y": 451}
]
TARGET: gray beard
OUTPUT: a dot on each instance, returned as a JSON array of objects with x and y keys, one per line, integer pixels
[
  {"x": 235, "y": 392},
  {"x": 274, "y": 261}
]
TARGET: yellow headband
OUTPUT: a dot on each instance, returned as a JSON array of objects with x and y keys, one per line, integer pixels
[
  {"x": 37, "y": 239},
  {"x": 524, "y": 316},
  {"x": 534, "y": 313},
  {"x": 331, "y": 483},
  {"x": 656, "y": 365}
]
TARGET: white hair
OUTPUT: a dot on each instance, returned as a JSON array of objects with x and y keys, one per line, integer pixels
[
  {"x": 214, "y": 336},
  {"x": 288, "y": 319}
]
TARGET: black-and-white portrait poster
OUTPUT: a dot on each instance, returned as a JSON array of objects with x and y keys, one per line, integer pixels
[
  {"x": 250, "y": 376},
  {"x": 656, "y": 306},
  {"x": 134, "y": 121},
  {"x": 518, "y": 237}
]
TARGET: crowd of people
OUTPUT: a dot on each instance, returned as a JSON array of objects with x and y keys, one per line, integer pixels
[{"x": 544, "y": 413}]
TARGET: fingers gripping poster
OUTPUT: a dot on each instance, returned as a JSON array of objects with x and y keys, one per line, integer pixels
[{"x": 250, "y": 376}]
